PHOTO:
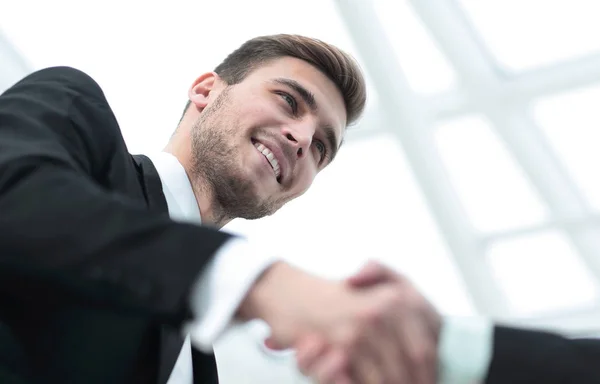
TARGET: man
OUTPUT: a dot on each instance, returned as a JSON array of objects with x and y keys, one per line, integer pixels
[
  {"x": 106, "y": 258},
  {"x": 473, "y": 351}
]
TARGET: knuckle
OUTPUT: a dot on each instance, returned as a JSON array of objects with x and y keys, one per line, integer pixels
[
  {"x": 415, "y": 301},
  {"x": 351, "y": 338},
  {"x": 371, "y": 317},
  {"x": 344, "y": 360},
  {"x": 305, "y": 369},
  {"x": 423, "y": 357},
  {"x": 392, "y": 303},
  {"x": 396, "y": 299}
]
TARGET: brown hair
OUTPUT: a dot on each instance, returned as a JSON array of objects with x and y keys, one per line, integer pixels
[{"x": 334, "y": 63}]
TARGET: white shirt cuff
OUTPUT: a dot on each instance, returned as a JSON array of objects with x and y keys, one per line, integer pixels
[
  {"x": 221, "y": 287},
  {"x": 465, "y": 350}
]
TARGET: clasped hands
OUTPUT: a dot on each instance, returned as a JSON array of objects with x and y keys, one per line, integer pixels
[{"x": 371, "y": 328}]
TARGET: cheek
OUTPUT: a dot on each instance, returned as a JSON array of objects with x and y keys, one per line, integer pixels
[
  {"x": 262, "y": 113},
  {"x": 304, "y": 182}
]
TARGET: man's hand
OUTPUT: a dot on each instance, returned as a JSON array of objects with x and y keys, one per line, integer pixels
[
  {"x": 346, "y": 331},
  {"x": 407, "y": 339}
]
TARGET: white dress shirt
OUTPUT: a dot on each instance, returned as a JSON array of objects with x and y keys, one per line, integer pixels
[
  {"x": 224, "y": 282},
  {"x": 464, "y": 352}
]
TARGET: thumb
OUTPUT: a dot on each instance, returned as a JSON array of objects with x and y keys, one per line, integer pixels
[
  {"x": 372, "y": 273},
  {"x": 272, "y": 344}
]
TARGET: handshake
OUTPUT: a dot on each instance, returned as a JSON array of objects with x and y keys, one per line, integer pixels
[{"x": 373, "y": 327}]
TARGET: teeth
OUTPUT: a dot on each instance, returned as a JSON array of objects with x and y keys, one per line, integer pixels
[{"x": 271, "y": 157}]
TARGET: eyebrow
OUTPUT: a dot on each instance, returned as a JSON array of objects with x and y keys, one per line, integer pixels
[
  {"x": 304, "y": 93},
  {"x": 332, "y": 139},
  {"x": 309, "y": 99}
]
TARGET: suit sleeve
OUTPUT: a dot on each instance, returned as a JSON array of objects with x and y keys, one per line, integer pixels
[
  {"x": 63, "y": 234},
  {"x": 524, "y": 356}
]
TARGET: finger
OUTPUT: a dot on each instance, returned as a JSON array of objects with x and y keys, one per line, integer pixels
[
  {"x": 308, "y": 352},
  {"x": 419, "y": 350},
  {"x": 366, "y": 371},
  {"x": 273, "y": 344},
  {"x": 369, "y": 361},
  {"x": 393, "y": 361},
  {"x": 343, "y": 380},
  {"x": 385, "y": 349},
  {"x": 371, "y": 273},
  {"x": 332, "y": 367},
  {"x": 382, "y": 340}
]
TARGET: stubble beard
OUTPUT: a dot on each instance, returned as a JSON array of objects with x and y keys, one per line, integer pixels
[{"x": 216, "y": 169}]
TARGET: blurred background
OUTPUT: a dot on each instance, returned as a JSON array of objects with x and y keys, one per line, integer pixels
[{"x": 472, "y": 171}]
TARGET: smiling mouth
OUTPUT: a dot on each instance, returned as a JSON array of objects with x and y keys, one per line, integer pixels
[{"x": 266, "y": 152}]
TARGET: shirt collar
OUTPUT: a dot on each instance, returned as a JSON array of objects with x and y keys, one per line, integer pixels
[{"x": 177, "y": 188}]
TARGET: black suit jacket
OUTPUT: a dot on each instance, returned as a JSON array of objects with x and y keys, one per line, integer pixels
[
  {"x": 527, "y": 357},
  {"x": 94, "y": 276}
]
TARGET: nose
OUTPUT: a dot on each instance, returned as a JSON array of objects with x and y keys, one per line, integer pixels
[{"x": 300, "y": 140}]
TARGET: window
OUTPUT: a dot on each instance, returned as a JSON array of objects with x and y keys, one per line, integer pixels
[
  {"x": 542, "y": 273},
  {"x": 490, "y": 184},
  {"x": 523, "y": 35},
  {"x": 571, "y": 122},
  {"x": 426, "y": 68}
]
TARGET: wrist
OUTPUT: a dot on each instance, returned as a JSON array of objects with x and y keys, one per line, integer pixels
[
  {"x": 260, "y": 301},
  {"x": 285, "y": 298}
]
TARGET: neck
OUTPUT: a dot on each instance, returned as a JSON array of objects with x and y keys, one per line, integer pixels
[{"x": 210, "y": 210}]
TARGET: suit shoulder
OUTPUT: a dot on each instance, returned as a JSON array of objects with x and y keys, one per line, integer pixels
[
  {"x": 69, "y": 79},
  {"x": 71, "y": 97}
]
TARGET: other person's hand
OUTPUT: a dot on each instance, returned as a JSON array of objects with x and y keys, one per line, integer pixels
[{"x": 400, "y": 339}]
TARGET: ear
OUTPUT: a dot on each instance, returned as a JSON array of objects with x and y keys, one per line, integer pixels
[{"x": 201, "y": 89}]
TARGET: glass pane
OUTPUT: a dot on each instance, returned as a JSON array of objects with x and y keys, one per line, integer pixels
[
  {"x": 542, "y": 273},
  {"x": 491, "y": 185},
  {"x": 148, "y": 57},
  {"x": 527, "y": 34},
  {"x": 571, "y": 122},
  {"x": 366, "y": 205},
  {"x": 426, "y": 68}
]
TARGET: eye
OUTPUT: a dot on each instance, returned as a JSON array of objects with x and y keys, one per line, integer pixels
[
  {"x": 290, "y": 100},
  {"x": 321, "y": 148}
]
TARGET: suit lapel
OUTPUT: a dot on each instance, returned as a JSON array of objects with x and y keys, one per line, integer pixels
[
  {"x": 150, "y": 180},
  {"x": 205, "y": 368},
  {"x": 170, "y": 340}
]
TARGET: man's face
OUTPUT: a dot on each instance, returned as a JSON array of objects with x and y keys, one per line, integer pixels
[{"x": 260, "y": 143}]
